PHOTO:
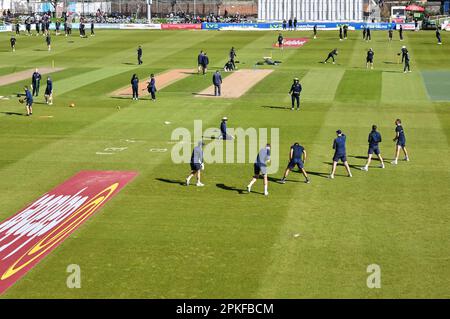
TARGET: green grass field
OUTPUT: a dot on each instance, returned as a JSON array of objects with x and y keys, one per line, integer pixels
[{"x": 158, "y": 239}]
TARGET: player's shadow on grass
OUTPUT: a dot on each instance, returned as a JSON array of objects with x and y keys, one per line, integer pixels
[
  {"x": 40, "y": 49},
  {"x": 230, "y": 188},
  {"x": 129, "y": 63},
  {"x": 341, "y": 164},
  {"x": 276, "y": 107},
  {"x": 202, "y": 94},
  {"x": 324, "y": 175},
  {"x": 12, "y": 113},
  {"x": 171, "y": 181}
]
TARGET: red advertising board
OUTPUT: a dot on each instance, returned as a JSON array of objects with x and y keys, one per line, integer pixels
[
  {"x": 293, "y": 42},
  {"x": 181, "y": 26},
  {"x": 31, "y": 234}
]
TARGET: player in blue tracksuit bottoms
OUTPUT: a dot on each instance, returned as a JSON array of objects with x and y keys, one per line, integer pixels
[
  {"x": 295, "y": 91},
  {"x": 135, "y": 86},
  {"x": 297, "y": 157},
  {"x": 400, "y": 140},
  {"x": 28, "y": 101},
  {"x": 438, "y": 35},
  {"x": 196, "y": 164},
  {"x": 374, "y": 139},
  {"x": 49, "y": 91},
  {"x": 151, "y": 87},
  {"x": 217, "y": 81},
  {"x": 340, "y": 153},
  {"x": 36, "y": 82},
  {"x": 260, "y": 168}
]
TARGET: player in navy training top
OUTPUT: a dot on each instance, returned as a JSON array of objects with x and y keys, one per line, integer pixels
[
  {"x": 340, "y": 153},
  {"x": 400, "y": 140},
  {"x": 297, "y": 156},
  {"x": 374, "y": 139}
]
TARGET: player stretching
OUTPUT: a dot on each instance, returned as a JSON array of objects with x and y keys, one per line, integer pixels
[
  {"x": 331, "y": 55},
  {"x": 297, "y": 156},
  {"x": 196, "y": 164},
  {"x": 260, "y": 168},
  {"x": 374, "y": 139},
  {"x": 340, "y": 153},
  {"x": 401, "y": 141}
]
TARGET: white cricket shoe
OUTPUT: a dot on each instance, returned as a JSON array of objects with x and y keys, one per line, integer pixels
[
  {"x": 266, "y": 193},
  {"x": 350, "y": 175},
  {"x": 394, "y": 162},
  {"x": 382, "y": 165},
  {"x": 187, "y": 181},
  {"x": 249, "y": 188},
  {"x": 199, "y": 184},
  {"x": 407, "y": 159},
  {"x": 331, "y": 176},
  {"x": 365, "y": 168}
]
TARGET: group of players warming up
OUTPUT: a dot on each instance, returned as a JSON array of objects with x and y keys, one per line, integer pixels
[{"x": 297, "y": 157}]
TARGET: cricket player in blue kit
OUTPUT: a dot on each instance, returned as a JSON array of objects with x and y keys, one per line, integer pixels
[
  {"x": 340, "y": 153},
  {"x": 196, "y": 164},
  {"x": 297, "y": 157},
  {"x": 400, "y": 140},
  {"x": 28, "y": 101},
  {"x": 374, "y": 139},
  {"x": 260, "y": 168}
]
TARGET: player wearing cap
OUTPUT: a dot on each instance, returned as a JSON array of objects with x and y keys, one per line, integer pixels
[
  {"x": 340, "y": 153},
  {"x": 374, "y": 140},
  {"x": 196, "y": 164},
  {"x": 400, "y": 140},
  {"x": 296, "y": 88},
  {"x": 223, "y": 130},
  {"x": 297, "y": 157},
  {"x": 260, "y": 168}
]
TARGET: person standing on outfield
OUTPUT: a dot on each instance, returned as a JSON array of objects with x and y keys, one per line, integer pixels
[
  {"x": 295, "y": 24},
  {"x": 390, "y": 33},
  {"x": 296, "y": 89},
  {"x": 17, "y": 28},
  {"x": 139, "y": 55},
  {"x": 49, "y": 91},
  {"x": 28, "y": 26},
  {"x": 200, "y": 62},
  {"x": 135, "y": 86},
  {"x": 196, "y": 164},
  {"x": 28, "y": 101},
  {"x": 280, "y": 41},
  {"x": 205, "y": 62},
  {"x": 340, "y": 153},
  {"x": 284, "y": 24},
  {"x": 260, "y": 168},
  {"x": 36, "y": 82},
  {"x": 92, "y": 29},
  {"x": 233, "y": 55},
  {"x": 37, "y": 27},
  {"x": 369, "y": 59},
  {"x": 151, "y": 87},
  {"x": 374, "y": 140},
  {"x": 331, "y": 55},
  {"x": 297, "y": 156},
  {"x": 345, "y": 31},
  {"x": 223, "y": 129},
  {"x": 400, "y": 140},
  {"x": 13, "y": 43},
  {"x": 340, "y": 33},
  {"x": 57, "y": 27},
  {"x": 368, "y": 35},
  {"x": 290, "y": 24},
  {"x": 217, "y": 81},
  {"x": 315, "y": 31},
  {"x": 404, "y": 52},
  {"x": 364, "y": 32},
  {"x": 438, "y": 35},
  {"x": 400, "y": 32},
  {"x": 48, "y": 40},
  {"x": 406, "y": 59}
]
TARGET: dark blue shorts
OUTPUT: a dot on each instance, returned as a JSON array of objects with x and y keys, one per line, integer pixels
[
  {"x": 401, "y": 143},
  {"x": 374, "y": 149},
  {"x": 258, "y": 169},
  {"x": 196, "y": 166},
  {"x": 337, "y": 157},
  {"x": 295, "y": 162}
]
